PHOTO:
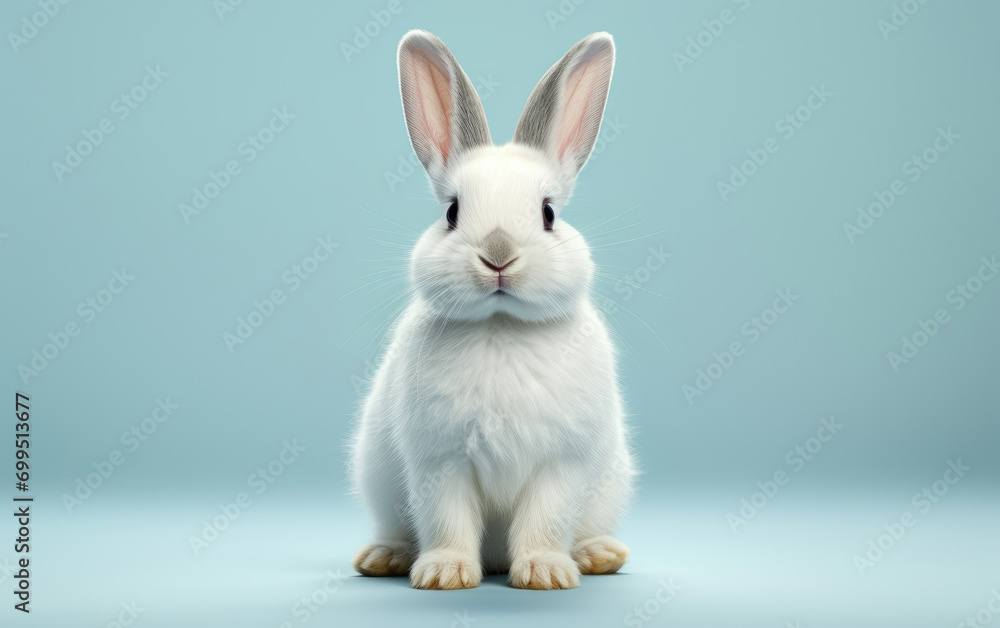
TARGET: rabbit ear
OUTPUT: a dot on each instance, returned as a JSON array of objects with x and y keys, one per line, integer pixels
[
  {"x": 443, "y": 113},
  {"x": 563, "y": 114}
]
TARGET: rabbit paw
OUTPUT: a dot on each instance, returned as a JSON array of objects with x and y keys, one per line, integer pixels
[
  {"x": 545, "y": 570},
  {"x": 600, "y": 555},
  {"x": 384, "y": 558},
  {"x": 445, "y": 569}
]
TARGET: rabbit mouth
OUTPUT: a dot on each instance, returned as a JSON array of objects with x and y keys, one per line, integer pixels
[{"x": 502, "y": 294}]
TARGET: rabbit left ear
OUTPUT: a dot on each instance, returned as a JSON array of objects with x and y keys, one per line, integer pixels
[
  {"x": 444, "y": 115},
  {"x": 563, "y": 114}
]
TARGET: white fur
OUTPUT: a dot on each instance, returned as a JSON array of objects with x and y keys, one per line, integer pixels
[{"x": 493, "y": 437}]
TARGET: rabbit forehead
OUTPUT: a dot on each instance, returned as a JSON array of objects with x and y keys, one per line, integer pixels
[{"x": 500, "y": 173}]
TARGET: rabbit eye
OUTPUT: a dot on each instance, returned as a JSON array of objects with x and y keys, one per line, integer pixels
[
  {"x": 549, "y": 216},
  {"x": 452, "y": 215}
]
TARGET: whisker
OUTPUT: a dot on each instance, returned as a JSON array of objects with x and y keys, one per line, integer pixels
[
  {"x": 604, "y": 222},
  {"x": 405, "y": 246},
  {"x": 649, "y": 235},
  {"x": 385, "y": 219}
]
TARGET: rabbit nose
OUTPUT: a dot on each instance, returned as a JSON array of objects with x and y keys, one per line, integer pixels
[
  {"x": 493, "y": 266},
  {"x": 498, "y": 250}
]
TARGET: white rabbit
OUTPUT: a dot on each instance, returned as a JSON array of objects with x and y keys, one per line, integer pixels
[{"x": 493, "y": 439}]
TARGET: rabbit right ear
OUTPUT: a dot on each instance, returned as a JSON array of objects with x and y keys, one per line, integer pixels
[
  {"x": 444, "y": 115},
  {"x": 563, "y": 115}
]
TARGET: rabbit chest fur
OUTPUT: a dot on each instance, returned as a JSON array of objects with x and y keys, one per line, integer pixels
[{"x": 505, "y": 395}]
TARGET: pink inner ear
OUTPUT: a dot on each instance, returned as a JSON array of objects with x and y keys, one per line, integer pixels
[
  {"x": 433, "y": 92},
  {"x": 579, "y": 91}
]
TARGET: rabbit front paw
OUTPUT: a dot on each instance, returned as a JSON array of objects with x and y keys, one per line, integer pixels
[
  {"x": 545, "y": 570},
  {"x": 446, "y": 569}
]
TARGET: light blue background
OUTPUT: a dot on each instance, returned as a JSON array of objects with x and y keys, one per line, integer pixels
[{"x": 299, "y": 376}]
